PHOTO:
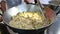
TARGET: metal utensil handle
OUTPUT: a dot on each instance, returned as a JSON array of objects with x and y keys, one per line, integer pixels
[
  {"x": 41, "y": 6},
  {"x": 37, "y": 1}
]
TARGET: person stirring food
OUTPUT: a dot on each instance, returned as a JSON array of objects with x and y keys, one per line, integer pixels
[{"x": 2, "y": 7}]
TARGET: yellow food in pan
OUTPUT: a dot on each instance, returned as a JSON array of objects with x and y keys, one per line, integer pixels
[{"x": 28, "y": 20}]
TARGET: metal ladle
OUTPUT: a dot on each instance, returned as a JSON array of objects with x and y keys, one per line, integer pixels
[{"x": 40, "y": 5}]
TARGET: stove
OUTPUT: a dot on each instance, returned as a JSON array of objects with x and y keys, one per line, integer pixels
[{"x": 3, "y": 29}]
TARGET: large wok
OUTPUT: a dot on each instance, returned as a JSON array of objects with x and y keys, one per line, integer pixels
[
  {"x": 7, "y": 18},
  {"x": 14, "y": 11}
]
